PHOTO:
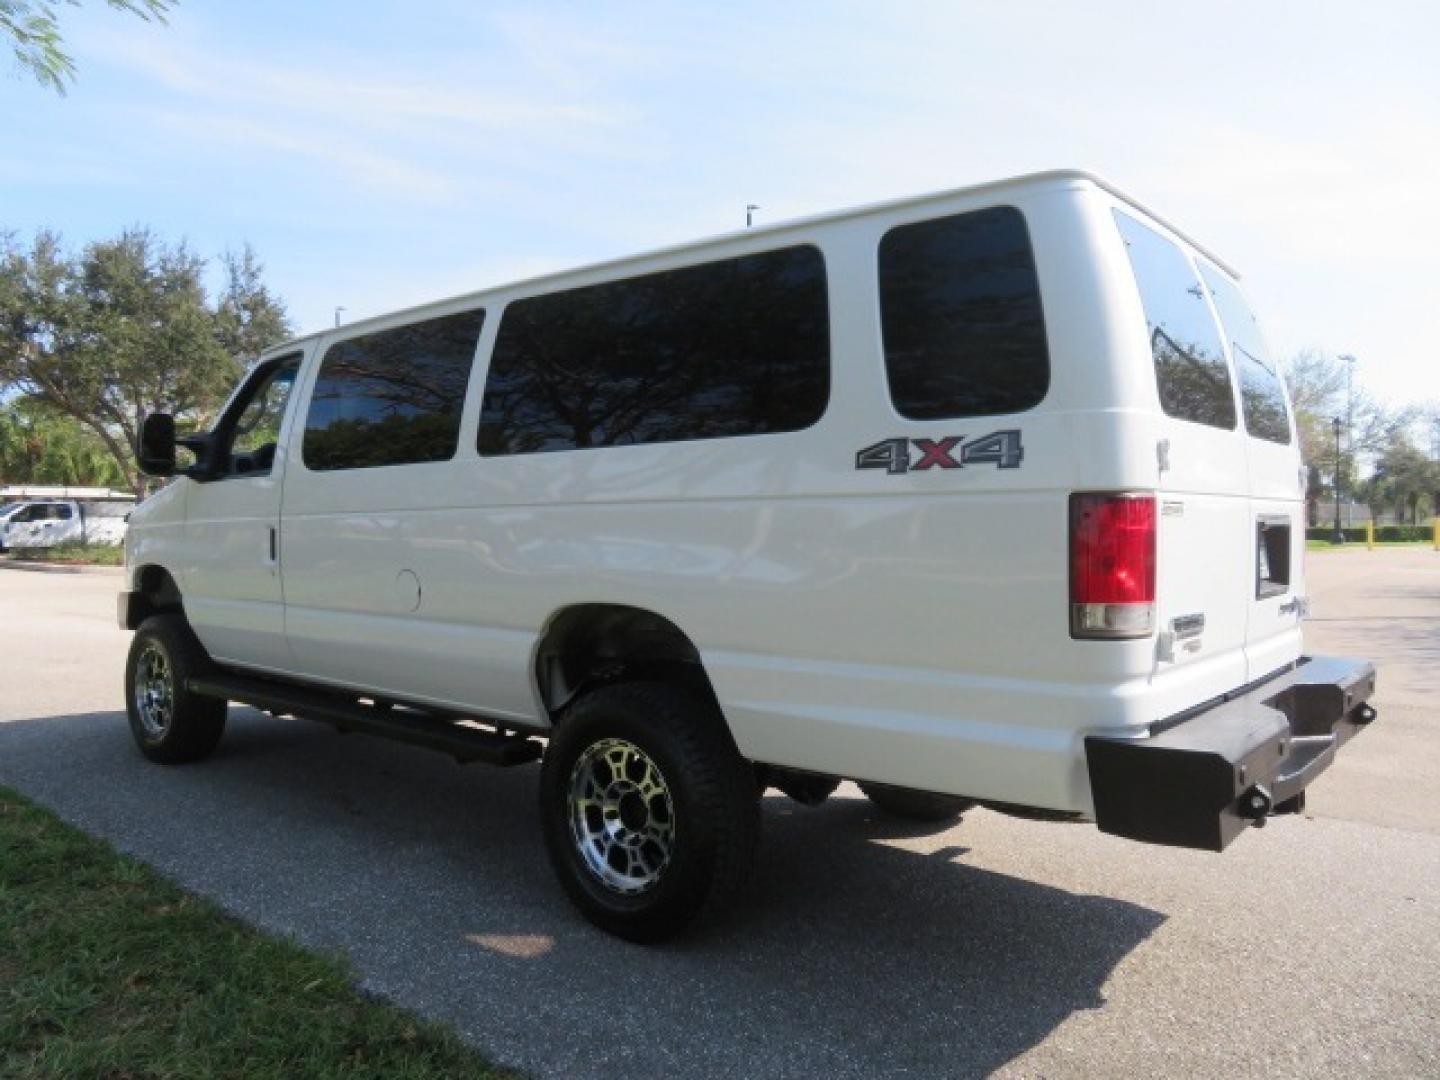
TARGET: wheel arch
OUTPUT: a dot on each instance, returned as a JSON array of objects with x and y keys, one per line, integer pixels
[
  {"x": 587, "y": 645},
  {"x": 155, "y": 591}
]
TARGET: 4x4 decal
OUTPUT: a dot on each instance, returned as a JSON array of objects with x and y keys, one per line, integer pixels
[{"x": 1000, "y": 448}]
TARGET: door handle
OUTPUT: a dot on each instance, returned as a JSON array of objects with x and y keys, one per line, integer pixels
[{"x": 274, "y": 545}]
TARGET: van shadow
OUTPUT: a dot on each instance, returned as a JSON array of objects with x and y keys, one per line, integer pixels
[{"x": 852, "y": 956}]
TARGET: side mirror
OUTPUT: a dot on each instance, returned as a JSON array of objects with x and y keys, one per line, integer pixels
[{"x": 156, "y": 452}]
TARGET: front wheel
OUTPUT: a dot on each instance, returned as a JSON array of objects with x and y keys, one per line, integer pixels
[
  {"x": 649, "y": 811},
  {"x": 169, "y": 723}
]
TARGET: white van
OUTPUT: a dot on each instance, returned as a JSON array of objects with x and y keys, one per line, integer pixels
[{"x": 989, "y": 496}]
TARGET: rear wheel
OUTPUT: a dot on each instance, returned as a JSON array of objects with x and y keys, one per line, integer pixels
[
  {"x": 916, "y": 805},
  {"x": 169, "y": 723},
  {"x": 649, "y": 811}
]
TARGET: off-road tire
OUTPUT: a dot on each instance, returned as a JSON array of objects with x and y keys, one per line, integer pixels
[
  {"x": 708, "y": 789},
  {"x": 916, "y": 805},
  {"x": 192, "y": 724}
]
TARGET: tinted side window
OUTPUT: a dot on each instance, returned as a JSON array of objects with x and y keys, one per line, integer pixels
[
  {"x": 1262, "y": 394},
  {"x": 393, "y": 397},
  {"x": 960, "y": 311},
  {"x": 1190, "y": 366},
  {"x": 738, "y": 347}
]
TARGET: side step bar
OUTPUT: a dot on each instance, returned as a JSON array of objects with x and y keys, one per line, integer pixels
[{"x": 458, "y": 738}]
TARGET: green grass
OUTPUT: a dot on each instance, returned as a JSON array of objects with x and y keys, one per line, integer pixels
[
  {"x": 109, "y": 970},
  {"x": 97, "y": 555},
  {"x": 1326, "y": 545}
]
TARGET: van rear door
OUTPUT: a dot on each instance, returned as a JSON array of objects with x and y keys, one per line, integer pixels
[
  {"x": 1277, "y": 516},
  {"x": 1203, "y": 548}
]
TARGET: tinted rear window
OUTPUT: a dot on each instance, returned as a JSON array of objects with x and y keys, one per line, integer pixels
[
  {"x": 1190, "y": 367},
  {"x": 960, "y": 312},
  {"x": 736, "y": 347},
  {"x": 1262, "y": 394},
  {"x": 392, "y": 397}
]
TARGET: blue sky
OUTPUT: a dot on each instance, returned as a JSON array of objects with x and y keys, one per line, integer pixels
[{"x": 381, "y": 154}]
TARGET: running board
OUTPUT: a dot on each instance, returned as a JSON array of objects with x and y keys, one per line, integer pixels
[{"x": 463, "y": 742}]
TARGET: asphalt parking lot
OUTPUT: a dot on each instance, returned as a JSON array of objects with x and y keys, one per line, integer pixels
[{"x": 1312, "y": 947}]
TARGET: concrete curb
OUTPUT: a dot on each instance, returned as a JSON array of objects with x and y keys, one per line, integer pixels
[{"x": 59, "y": 568}]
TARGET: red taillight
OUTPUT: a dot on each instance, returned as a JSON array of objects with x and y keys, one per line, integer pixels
[{"x": 1112, "y": 566}]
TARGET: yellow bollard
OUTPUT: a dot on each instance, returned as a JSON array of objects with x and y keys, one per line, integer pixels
[{"x": 1370, "y": 534}]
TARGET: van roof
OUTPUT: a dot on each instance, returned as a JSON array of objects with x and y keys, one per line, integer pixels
[{"x": 827, "y": 217}]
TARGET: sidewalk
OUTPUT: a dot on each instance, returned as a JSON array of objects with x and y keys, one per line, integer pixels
[{"x": 37, "y": 567}]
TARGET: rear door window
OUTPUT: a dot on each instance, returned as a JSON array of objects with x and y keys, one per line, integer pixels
[
  {"x": 1190, "y": 368},
  {"x": 1262, "y": 394},
  {"x": 961, "y": 317}
]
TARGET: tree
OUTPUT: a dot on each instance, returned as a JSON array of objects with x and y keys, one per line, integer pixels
[
  {"x": 40, "y": 446},
  {"x": 33, "y": 27},
  {"x": 1321, "y": 390},
  {"x": 1404, "y": 477},
  {"x": 126, "y": 329},
  {"x": 1317, "y": 383},
  {"x": 249, "y": 318},
  {"x": 1429, "y": 424}
]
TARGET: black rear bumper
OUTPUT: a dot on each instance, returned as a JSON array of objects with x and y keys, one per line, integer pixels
[{"x": 1200, "y": 781}]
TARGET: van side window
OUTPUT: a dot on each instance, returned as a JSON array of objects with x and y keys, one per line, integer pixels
[
  {"x": 1190, "y": 367},
  {"x": 1262, "y": 394},
  {"x": 961, "y": 317},
  {"x": 736, "y": 347},
  {"x": 393, "y": 397}
]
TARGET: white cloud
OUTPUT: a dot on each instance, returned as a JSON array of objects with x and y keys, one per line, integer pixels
[
  {"x": 337, "y": 154},
  {"x": 414, "y": 133}
]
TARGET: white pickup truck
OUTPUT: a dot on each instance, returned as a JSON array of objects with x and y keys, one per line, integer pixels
[
  {"x": 48, "y": 523},
  {"x": 989, "y": 496}
]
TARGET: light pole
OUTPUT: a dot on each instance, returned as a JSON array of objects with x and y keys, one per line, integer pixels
[
  {"x": 1349, "y": 389},
  {"x": 1339, "y": 536},
  {"x": 750, "y": 209}
]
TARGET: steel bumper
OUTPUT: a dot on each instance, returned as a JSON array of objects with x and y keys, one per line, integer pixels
[{"x": 1198, "y": 780}]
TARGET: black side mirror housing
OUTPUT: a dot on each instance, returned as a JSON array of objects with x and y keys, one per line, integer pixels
[{"x": 156, "y": 451}]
